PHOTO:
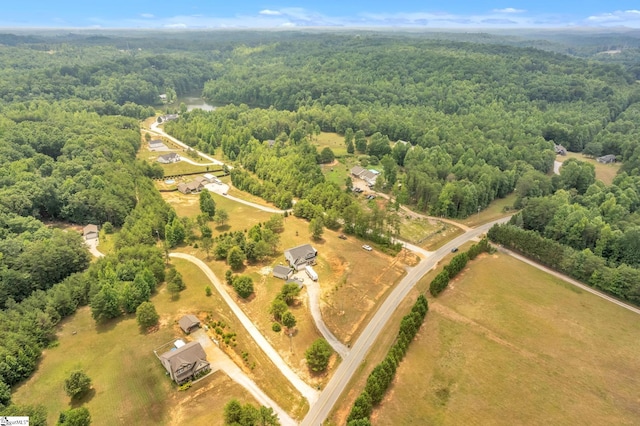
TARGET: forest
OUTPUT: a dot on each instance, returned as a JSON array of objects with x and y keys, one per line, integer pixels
[{"x": 479, "y": 115}]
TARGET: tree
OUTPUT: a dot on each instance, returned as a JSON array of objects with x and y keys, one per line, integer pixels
[
  {"x": 77, "y": 384},
  {"x": 221, "y": 217},
  {"x": 5, "y": 394},
  {"x": 146, "y": 315},
  {"x": 278, "y": 308},
  {"x": 232, "y": 412},
  {"x": 327, "y": 155},
  {"x": 207, "y": 205},
  {"x": 207, "y": 244},
  {"x": 275, "y": 223},
  {"x": 289, "y": 293},
  {"x": 75, "y": 417},
  {"x": 105, "y": 304},
  {"x": 360, "y": 142},
  {"x": 289, "y": 320},
  {"x": 236, "y": 258},
  {"x": 316, "y": 227},
  {"x": 318, "y": 354},
  {"x": 243, "y": 285}
]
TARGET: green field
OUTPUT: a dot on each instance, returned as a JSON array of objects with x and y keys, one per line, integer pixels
[
  {"x": 129, "y": 383},
  {"x": 333, "y": 141},
  {"x": 509, "y": 344}
]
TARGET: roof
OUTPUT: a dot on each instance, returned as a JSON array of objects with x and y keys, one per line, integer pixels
[
  {"x": 194, "y": 185},
  {"x": 89, "y": 229},
  {"x": 281, "y": 270},
  {"x": 169, "y": 156},
  {"x": 401, "y": 141},
  {"x": 368, "y": 175},
  {"x": 300, "y": 254},
  {"x": 356, "y": 170},
  {"x": 190, "y": 354},
  {"x": 607, "y": 158},
  {"x": 156, "y": 142},
  {"x": 188, "y": 321},
  {"x": 208, "y": 176}
]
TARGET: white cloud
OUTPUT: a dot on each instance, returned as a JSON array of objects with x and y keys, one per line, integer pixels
[
  {"x": 509, "y": 10},
  {"x": 147, "y": 15},
  {"x": 270, "y": 12},
  {"x": 630, "y": 18}
]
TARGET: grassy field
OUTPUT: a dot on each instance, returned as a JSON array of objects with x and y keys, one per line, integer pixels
[
  {"x": 496, "y": 210},
  {"x": 333, "y": 141},
  {"x": 604, "y": 172},
  {"x": 130, "y": 385},
  {"x": 518, "y": 347}
]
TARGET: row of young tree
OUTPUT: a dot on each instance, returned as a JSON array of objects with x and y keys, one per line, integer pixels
[
  {"x": 457, "y": 264},
  {"x": 382, "y": 375}
]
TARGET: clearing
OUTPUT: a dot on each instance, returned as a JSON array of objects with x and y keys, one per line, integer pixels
[
  {"x": 518, "y": 346},
  {"x": 604, "y": 172}
]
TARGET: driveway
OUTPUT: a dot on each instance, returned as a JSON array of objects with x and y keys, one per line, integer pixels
[
  {"x": 220, "y": 361},
  {"x": 93, "y": 247},
  {"x": 224, "y": 188},
  {"x": 307, "y": 391},
  {"x": 313, "y": 291}
]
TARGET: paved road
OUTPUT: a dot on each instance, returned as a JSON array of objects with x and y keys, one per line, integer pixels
[
  {"x": 313, "y": 291},
  {"x": 221, "y": 361},
  {"x": 570, "y": 280},
  {"x": 340, "y": 379},
  {"x": 159, "y": 131},
  {"x": 307, "y": 391}
]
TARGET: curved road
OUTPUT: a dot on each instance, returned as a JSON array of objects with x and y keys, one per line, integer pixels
[
  {"x": 340, "y": 379},
  {"x": 307, "y": 391},
  {"x": 222, "y": 190}
]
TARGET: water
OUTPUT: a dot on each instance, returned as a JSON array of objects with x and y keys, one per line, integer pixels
[{"x": 195, "y": 102}]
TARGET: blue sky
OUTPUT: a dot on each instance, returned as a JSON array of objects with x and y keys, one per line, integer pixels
[{"x": 347, "y": 13}]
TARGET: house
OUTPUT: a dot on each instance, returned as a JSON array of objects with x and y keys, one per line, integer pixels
[
  {"x": 559, "y": 149},
  {"x": 209, "y": 178},
  {"x": 169, "y": 158},
  {"x": 192, "y": 187},
  {"x": 356, "y": 170},
  {"x": 167, "y": 117},
  {"x": 282, "y": 272},
  {"x": 184, "y": 363},
  {"x": 188, "y": 323},
  {"x": 607, "y": 159},
  {"x": 163, "y": 97},
  {"x": 301, "y": 256},
  {"x": 157, "y": 145},
  {"x": 90, "y": 232}
]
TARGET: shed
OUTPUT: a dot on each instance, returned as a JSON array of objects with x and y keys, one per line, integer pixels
[
  {"x": 188, "y": 323},
  {"x": 209, "y": 177},
  {"x": 606, "y": 159},
  {"x": 90, "y": 232},
  {"x": 282, "y": 272}
]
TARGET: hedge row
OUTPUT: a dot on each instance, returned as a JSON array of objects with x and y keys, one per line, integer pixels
[
  {"x": 382, "y": 375},
  {"x": 457, "y": 264}
]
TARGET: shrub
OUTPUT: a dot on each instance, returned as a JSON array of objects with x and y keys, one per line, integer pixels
[{"x": 276, "y": 327}]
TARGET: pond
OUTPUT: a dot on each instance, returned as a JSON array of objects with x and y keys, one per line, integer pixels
[{"x": 194, "y": 101}]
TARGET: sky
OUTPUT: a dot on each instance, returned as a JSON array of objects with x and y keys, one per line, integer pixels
[{"x": 210, "y": 14}]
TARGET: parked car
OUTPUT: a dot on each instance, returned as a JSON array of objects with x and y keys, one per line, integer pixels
[
  {"x": 455, "y": 249},
  {"x": 367, "y": 247},
  {"x": 342, "y": 237}
]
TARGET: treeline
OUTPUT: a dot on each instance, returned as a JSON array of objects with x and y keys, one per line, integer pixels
[
  {"x": 622, "y": 281},
  {"x": 382, "y": 375},
  {"x": 457, "y": 264}
]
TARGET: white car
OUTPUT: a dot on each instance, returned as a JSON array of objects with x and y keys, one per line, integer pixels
[{"x": 367, "y": 247}]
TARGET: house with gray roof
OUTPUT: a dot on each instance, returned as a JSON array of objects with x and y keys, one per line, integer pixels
[
  {"x": 301, "y": 256},
  {"x": 559, "y": 149},
  {"x": 169, "y": 158},
  {"x": 607, "y": 159},
  {"x": 188, "y": 323},
  {"x": 90, "y": 232},
  {"x": 184, "y": 363},
  {"x": 282, "y": 272}
]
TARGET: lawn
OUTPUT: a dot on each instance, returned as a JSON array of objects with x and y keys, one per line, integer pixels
[
  {"x": 331, "y": 140},
  {"x": 498, "y": 208},
  {"x": 419, "y": 230},
  {"x": 518, "y": 347},
  {"x": 130, "y": 385},
  {"x": 604, "y": 172}
]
